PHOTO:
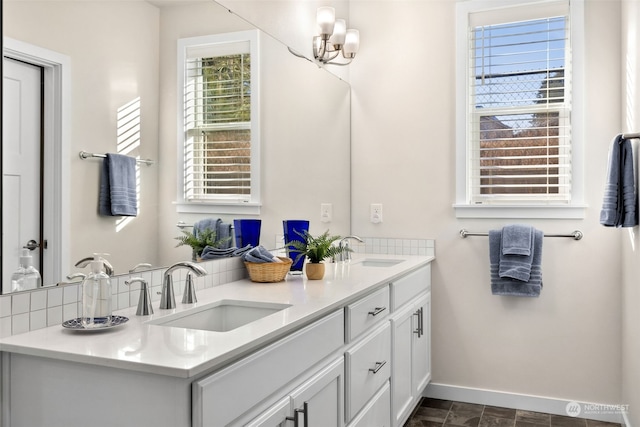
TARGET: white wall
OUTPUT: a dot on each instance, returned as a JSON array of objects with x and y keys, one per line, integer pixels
[
  {"x": 565, "y": 344},
  {"x": 630, "y": 122},
  {"x": 113, "y": 48}
]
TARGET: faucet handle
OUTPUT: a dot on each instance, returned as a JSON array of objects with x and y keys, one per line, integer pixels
[
  {"x": 189, "y": 295},
  {"x": 144, "y": 302}
]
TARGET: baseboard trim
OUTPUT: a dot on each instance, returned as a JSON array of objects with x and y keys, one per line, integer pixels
[{"x": 525, "y": 402}]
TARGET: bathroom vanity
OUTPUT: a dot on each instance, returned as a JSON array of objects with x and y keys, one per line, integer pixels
[{"x": 348, "y": 350}]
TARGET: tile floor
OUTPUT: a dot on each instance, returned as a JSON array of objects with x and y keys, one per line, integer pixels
[{"x": 445, "y": 413}]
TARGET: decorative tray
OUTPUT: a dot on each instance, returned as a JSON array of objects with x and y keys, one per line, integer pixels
[{"x": 100, "y": 324}]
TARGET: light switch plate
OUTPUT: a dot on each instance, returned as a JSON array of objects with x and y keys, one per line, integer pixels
[{"x": 326, "y": 212}]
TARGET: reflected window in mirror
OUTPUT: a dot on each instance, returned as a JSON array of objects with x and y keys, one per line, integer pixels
[{"x": 219, "y": 138}]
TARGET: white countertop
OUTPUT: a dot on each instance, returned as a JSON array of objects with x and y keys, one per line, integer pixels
[{"x": 140, "y": 346}]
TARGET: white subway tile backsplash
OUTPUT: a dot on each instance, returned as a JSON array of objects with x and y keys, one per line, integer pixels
[
  {"x": 54, "y": 315},
  {"x": 51, "y": 306},
  {"x": 19, "y": 323},
  {"x": 38, "y": 320},
  {"x": 54, "y": 297},
  {"x": 70, "y": 294},
  {"x": 5, "y": 306},
  {"x": 5, "y": 326},
  {"x": 38, "y": 300},
  {"x": 20, "y": 303},
  {"x": 70, "y": 311}
]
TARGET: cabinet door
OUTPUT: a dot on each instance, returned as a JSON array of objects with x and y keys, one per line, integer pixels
[
  {"x": 319, "y": 401},
  {"x": 403, "y": 328},
  {"x": 421, "y": 348},
  {"x": 275, "y": 416}
]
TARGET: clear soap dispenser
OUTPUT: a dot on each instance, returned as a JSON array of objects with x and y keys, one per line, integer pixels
[
  {"x": 96, "y": 296},
  {"x": 26, "y": 276}
]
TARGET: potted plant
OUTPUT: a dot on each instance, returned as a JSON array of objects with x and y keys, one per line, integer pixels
[
  {"x": 206, "y": 237},
  {"x": 316, "y": 249}
]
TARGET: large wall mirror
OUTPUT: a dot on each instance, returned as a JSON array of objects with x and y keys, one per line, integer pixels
[{"x": 123, "y": 98}]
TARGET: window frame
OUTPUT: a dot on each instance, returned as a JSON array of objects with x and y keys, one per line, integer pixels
[
  {"x": 516, "y": 10},
  {"x": 226, "y": 204}
]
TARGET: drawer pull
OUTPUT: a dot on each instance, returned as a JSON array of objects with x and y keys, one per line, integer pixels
[
  {"x": 379, "y": 366},
  {"x": 377, "y": 311}
]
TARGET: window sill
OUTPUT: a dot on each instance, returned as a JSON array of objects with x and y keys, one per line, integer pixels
[
  {"x": 523, "y": 211},
  {"x": 239, "y": 208}
]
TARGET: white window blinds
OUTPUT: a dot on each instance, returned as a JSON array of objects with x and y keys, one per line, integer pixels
[
  {"x": 518, "y": 138},
  {"x": 217, "y": 120}
]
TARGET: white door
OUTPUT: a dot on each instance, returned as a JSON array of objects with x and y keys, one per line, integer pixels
[{"x": 21, "y": 160}]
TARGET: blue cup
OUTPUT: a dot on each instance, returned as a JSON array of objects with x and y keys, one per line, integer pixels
[
  {"x": 247, "y": 232},
  {"x": 292, "y": 230}
]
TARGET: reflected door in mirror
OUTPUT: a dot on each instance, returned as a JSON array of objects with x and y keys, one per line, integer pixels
[{"x": 21, "y": 165}]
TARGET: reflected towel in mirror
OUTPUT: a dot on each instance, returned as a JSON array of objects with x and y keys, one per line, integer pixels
[{"x": 118, "y": 195}]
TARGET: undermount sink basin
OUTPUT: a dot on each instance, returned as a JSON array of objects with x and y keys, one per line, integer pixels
[
  {"x": 222, "y": 316},
  {"x": 369, "y": 262}
]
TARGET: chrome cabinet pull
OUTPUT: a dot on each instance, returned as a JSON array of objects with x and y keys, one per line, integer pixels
[
  {"x": 421, "y": 321},
  {"x": 379, "y": 366},
  {"x": 304, "y": 411},
  {"x": 377, "y": 311},
  {"x": 419, "y": 329}
]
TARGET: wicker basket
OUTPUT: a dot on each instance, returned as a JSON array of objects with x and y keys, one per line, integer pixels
[{"x": 269, "y": 272}]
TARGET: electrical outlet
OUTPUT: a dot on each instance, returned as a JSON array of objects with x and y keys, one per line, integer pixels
[
  {"x": 376, "y": 213},
  {"x": 326, "y": 212}
]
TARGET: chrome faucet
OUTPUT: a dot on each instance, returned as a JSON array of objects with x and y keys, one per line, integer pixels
[
  {"x": 108, "y": 268},
  {"x": 168, "y": 298},
  {"x": 142, "y": 265},
  {"x": 345, "y": 250},
  {"x": 144, "y": 301}
]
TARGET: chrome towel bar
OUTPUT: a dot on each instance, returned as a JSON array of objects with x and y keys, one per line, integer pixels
[
  {"x": 634, "y": 135},
  {"x": 85, "y": 155},
  {"x": 577, "y": 234}
]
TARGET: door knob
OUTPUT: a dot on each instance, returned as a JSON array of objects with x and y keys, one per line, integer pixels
[{"x": 32, "y": 245}]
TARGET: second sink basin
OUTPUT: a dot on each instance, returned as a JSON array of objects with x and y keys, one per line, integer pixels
[
  {"x": 369, "y": 262},
  {"x": 221, "y": 316}
]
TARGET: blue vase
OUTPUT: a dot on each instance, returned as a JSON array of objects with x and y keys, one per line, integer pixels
[
  {"x": 247, "y": 232},
  {"x": 291, "y": 229}
]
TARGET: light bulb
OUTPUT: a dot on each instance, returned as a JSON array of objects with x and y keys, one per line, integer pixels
[{"x": 326, "y": 19}]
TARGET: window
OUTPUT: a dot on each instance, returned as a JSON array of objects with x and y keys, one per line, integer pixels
[
  {"x": 517, "y": 119},
  {"x": 219, "y": 133}
]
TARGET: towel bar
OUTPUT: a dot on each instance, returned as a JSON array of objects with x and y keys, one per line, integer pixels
[
  {"x": 577, "y": 234},
  {"x": 85, "y": 155},
  {"x": 634, "y": 135}
]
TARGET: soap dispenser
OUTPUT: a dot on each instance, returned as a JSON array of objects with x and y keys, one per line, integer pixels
[
  {"x": 26, "y": 276},
  {"x": 96, "y": 296}
]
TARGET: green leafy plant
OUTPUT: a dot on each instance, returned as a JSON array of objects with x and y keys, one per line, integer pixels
[
  {"x": 317, "y": 248},
  {"x": 206, "y": 237}
]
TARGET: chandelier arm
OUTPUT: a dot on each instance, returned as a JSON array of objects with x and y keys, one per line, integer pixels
[{"x": 340, "y": 63}]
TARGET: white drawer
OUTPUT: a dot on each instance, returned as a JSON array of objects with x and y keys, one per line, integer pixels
[
  {"x": 223, "y": 396},
  {"x": 368, "y": 366},
  {"x": 377, "y": 413},
  {"x": 407, "y": 287},
  {"x": 367, "y": 312}
]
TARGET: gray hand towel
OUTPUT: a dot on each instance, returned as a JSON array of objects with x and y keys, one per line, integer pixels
[
  {"x": 518, "y": 240},
  {"x": 118, "y": 195},
  {"x": 259, "y": 254},
  {"x": 620, "y": 197},
  {"x": 512, "y": 287},
  {"x": 206, "y": 224},
  {"x": 223, "y": 231}
]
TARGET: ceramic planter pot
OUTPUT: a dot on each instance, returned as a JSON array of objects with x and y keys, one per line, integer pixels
[{"x": 314, "y": 271}]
